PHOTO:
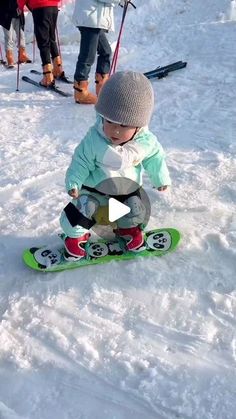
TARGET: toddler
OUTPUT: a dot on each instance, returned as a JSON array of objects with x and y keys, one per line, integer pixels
[{"x": 118, "y": 145}]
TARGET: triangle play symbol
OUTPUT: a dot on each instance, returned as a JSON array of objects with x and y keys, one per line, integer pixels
[{"x": 116, "y": 210}]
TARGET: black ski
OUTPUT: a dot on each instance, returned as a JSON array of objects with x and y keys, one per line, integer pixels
[
  {"x": 160, "y": 72},
  {"x": 166, "y": 67},
  {"x": 53, "y": 88},
  {"x": 8, "y": 67},
  {"x": 62, "y": 78}
]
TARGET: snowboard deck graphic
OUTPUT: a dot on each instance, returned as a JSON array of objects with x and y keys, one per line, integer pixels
[{"x": 158, "y": 242}]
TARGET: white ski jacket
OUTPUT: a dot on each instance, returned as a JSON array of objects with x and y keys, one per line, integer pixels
[{"x": 95, "y": 13}]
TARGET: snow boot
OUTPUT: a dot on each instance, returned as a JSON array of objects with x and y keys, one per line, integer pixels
[
  {"x": 100, "y": 80},
  {"x": 10, "y": 58},
  {"x": 48, "y": 78},
  {"x": 82, "y": 94},
  {"x": 133, "y": 236},
  {"x": 73, "y": 247},
  {"x": 57, "y": 68},
  {"x": 23, "y": 56}
]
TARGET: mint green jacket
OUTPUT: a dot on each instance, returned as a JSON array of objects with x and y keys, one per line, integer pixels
[{"x": 96, "y": 159}]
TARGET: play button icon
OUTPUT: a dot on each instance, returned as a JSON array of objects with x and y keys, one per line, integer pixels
[
  {"x": 122, "y": 203},
  {"x": 116, "y": 210}
]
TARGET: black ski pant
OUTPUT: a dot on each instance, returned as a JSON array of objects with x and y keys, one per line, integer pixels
[
  {"x": 45, "y": 20},
  {"x": 93, "y": 41}
]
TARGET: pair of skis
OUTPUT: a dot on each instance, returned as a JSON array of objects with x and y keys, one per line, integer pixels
[
  {"x": 62, "y": 78},
  {"x": 161, "y": 72},
  {"x": 158, "y": 73},
  {"x": 53, "y": 87}
]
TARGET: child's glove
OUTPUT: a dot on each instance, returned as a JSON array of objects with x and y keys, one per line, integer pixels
[{"x": 74, "y": 193}]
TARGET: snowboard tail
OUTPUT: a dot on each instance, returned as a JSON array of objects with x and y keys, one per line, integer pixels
[{"x": 158, "y": 242}]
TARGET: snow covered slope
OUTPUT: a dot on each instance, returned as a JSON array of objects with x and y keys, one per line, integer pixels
[{"x": 152, "y": 338}]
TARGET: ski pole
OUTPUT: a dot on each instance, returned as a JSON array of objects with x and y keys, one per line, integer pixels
[
  {"x": 2, "y": 61},
  {"x": 18, "y": 61},
  {"x": 34, "y": 49},
  {"x": 116, "y": 52},
  {"x": 58, "y": 41}
]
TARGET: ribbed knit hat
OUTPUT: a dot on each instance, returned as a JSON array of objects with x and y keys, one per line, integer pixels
[{"x": 127, "y": 98}]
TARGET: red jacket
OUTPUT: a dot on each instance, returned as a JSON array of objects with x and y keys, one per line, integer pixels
[{"x": 36, "y": 4}]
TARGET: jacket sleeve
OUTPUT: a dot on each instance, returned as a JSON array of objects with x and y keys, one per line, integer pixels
[
  {"x": 83, "y": 162},
  {"x": 21, "y": 4},
  {"x": 154, "y": 162}
]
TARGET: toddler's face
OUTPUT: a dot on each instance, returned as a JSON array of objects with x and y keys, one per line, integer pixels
[{"x": 118, "y": 134}]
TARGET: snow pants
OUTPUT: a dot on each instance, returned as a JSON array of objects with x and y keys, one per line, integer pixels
[{"x": 89, "y": 202}]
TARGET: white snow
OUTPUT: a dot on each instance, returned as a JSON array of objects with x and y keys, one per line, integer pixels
[{"x": 151, "y": 338}]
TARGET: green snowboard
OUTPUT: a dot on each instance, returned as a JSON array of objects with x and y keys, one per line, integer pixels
[{"x": 158, "y": 242}]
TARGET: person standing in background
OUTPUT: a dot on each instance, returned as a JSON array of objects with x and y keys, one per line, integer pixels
[
  {"x": 93, "y": 18},
  {"x": 45, "y": 13},
  {"x": 13, "y": 23}
]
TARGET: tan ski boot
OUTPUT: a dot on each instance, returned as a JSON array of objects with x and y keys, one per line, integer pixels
[
  {"x": 82, "y": 94},
  {"x": 100, "y": 80},
  {"x": 48, "y": 78},
  {"x": 23, "y": 56},
  {"x": 57, "y": 67},
  {"x": 10, "y": 58}
]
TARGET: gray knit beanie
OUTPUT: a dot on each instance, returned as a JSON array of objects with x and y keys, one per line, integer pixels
[{"x": 127, "y": 98}]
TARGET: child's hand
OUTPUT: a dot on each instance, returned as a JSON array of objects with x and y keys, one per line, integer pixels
[
  {"x": 162, "y": 188},
  {"x": 74, "y": 193}
]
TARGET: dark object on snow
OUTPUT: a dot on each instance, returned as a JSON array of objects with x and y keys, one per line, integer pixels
[
  {"x": 161, "y": 72},
  {"x": 62, "y": 78},
  {"x": 52, "y": 87}
]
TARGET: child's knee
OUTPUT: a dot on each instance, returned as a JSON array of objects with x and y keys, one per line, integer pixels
[
  {"x": 85, "y": 205},
  {"x": 68, "y": 229},
  {"x": 137, "y": 213},
  {"x": 137, "y": 208}
]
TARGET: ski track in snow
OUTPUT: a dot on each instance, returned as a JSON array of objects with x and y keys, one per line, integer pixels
[{"x": 152, "y": 338}]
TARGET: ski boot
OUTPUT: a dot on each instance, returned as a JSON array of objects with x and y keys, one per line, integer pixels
[
  {"x": 100, "y": 80},
  {"x": 134, "y": 238},
  {"x": 23, "y": 58},
  {"x": 10, "y": 58},
  {"x": 48, "y": 79},
  {"x": 74, "y": 247},
  {"x": 82, "y": 95}
]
